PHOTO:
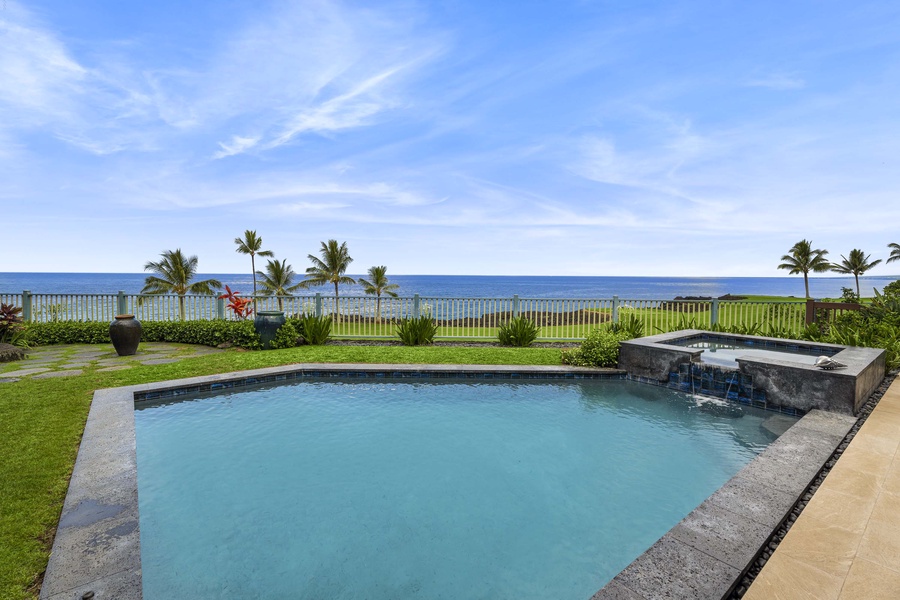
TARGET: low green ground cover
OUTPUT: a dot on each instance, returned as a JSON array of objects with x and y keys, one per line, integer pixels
[{"x": 42, "y": 420}]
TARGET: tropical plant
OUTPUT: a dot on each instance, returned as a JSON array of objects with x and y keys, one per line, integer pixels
[
  {"x": 417, "y": 331},
  {"x": 895, "y": 252},
  {"x": 803, "y": 259},
  {"x": 330, "y": 268},
  {"x": 251, "y": 244},
  {"x": 10, "y": 324},
  {"x": 856, "y": 263},
  {"x": 174, "y": 275},
  {"x": 315, "y": 330},
  {"x": 278, "y": 280},
  {"x": 631, "y": 325},
  {"x": 239, "y": 306},
  {"x": 518, "y": 331},
  {"x": 377, "y": 284}
]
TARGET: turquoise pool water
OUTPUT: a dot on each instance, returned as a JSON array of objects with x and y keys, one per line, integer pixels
[{"x": 402, "y": 488}]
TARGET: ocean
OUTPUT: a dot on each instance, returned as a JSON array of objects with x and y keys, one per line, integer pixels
[{"x": 480, "y": 286}]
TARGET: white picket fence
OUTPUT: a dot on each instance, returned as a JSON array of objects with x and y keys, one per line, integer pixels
[{"x": 478, "y": 318}]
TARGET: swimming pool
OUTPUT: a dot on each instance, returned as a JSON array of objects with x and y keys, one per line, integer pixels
[{"x": 427, "y": 488}]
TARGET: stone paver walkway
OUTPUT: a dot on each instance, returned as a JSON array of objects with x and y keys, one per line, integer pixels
[
  {"x": 71, "y": 360},
  {"x": 846, "y": 543}
]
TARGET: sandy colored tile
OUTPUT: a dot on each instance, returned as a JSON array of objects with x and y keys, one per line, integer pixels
[
  {"x": 891, "y": 397},
  {"x": 845, "y": 478},
  {"x": 881, "y": 544},
  {"x": 877, "y": 444},
  {"x": 784, "y": 578},
  {"x": 887, "y": 508},
  {"x": 821, "y": 545},
  {"x": 887, "y": 406},
  {"x": 865, "y": 460},
  {"x": 889, "y": 414},
  {"x": 878, "y": 427},
  {"x": 840, "y": 509},
  {"x": 891, "y": 482},
  {"x": 869, "y": 581}
]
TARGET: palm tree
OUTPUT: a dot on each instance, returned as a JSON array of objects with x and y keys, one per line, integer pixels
[
  {"x": 173, "y": 276},
  {"x": 857, "y": 263},
  {"x": 278, "y": 280},
  {"x": 251, "y": 245},
  {"x": 330, "y": 268},
  {"x": 895, "y": 252},
  {"x": 803, "y": 259},
  {"x": 377, "y": 284}
]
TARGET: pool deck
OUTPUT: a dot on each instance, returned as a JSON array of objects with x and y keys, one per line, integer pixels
[{"x": 846, "y": 543}]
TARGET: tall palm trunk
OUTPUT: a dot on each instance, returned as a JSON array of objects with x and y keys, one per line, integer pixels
[
  {"x": 181, "y": 306},
  {"x": 806, "y": 283},
  {"x": 337, "y": 312},
  {"x": 378, "y": 308},
  {"x": 253, "y": 266},
  {"x": 856, "y": 276}
]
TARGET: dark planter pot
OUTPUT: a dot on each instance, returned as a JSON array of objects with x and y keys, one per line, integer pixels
[
  {"x": 267, "y": 323},
  {"x": 125, "y": 333}
]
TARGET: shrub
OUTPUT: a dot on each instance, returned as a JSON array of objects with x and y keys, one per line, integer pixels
[
  {"x": 11, "y": 327},
  {"x": 599, "y": 349},
  {"x": 418, "y": 331},
  {"x": 285, "y": 337},
  {"x": 849, "y": 295},
  {"x": 208, "y": 333},
  {"x": 892, "y": 289},
  {"x": 67, "y": 332},
  {"x": 314, "y": 330},
  {"x": 518, "y": 331}
]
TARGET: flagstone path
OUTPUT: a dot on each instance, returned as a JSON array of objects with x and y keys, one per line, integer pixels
[{"x": 69, "y": 360}]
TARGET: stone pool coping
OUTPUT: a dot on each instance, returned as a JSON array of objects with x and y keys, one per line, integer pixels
[{"x": 97, "y": 545}]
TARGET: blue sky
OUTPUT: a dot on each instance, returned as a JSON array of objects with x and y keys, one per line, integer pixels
[{"x": 450, "y": 137}]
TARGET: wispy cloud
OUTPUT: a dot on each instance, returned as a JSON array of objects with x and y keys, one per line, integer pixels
[
  {"x": 777, "y": 81},
  {"x": 38, "y": 76},
  {"x": 237, "y": 145}
]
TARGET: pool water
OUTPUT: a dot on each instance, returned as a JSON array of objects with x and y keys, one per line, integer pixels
[
  {"x": 726, "y": 351},
  {"x": 401, "y": 488}
]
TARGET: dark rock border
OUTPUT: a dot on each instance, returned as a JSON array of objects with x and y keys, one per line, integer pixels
[
  {"x": 9, "y": 353},
  {"x": 565, "y": 345}
]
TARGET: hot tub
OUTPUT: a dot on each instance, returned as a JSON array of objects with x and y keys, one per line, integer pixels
[{"x": 767, "y": 372}]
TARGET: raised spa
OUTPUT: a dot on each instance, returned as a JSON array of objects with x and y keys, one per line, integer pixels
[{"x": 767, "y": 372}]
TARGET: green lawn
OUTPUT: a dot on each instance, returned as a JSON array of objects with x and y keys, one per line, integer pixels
[{"x": 42, "y": 420}]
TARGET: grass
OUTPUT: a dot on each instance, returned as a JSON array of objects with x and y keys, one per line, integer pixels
[{"x": 42, "y": 420}]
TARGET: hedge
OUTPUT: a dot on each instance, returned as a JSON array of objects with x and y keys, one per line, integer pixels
[{"x": 207, "y": 333}]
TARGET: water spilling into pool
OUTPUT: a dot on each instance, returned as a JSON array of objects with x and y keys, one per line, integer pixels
[{"x": 422, "y": 489}]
